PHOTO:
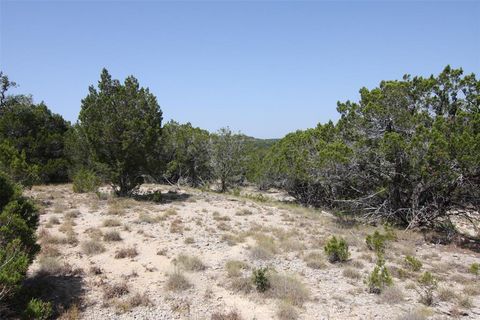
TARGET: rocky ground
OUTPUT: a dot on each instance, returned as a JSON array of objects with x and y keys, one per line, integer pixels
[{"x": 192, "y": 256}]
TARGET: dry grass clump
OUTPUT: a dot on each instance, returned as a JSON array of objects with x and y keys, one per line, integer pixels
[
  {"x": 465, "y": 302},
  {"x": 218, "y": 217},
  {"x": 234, "y": 268},
  {"x": 472, "y": 290},
  {"x": 72, "y": 313},
  {"x": 126, "y": 253},
  {"x": 115, "y": 207},
  {"x": 241, "y": 284},
  {"x": 67, "y": 225},
  {"x": 52, "y": 266},
  {"x": 288, "y": 288},
  {"x": 92, "y": 247},
  {"x": 446, "y": 294},
  {"x": 112, "y": 236},
  {"x": 134, "y": 301},
  {"x": 176, "y": 281},
  {"x": 392, "y": 295},
  {"x": 147, "y": 218},
  {"x": 314, "y": 260},
  {"x": 291, "y": 244},
  {"x": 72, "y": 214},
  {"x": 190, "y": 263},
  {"x": 111, "y": 222},
  {"x": 115, "y": 290},
  {"x": 49, "y": 250},
  {"x": 94, "y": 233},
  {"x": 244, "y": 212},
  {"x": 59, "y": 207},
  {"x": 259, "y": 253},
  {"x": 351, "y": 273},
  {"x": 265, "y": 248},
  {"x": 413, "y": 315},
  {"x": 232, "y": 315},
  {"x": 176, "y": 226},
  {"x": 189, "y": 240},
  {"x": 53, "y": 220},
  {"x": 285, "y": 311},
  {"x": 46, "y": 237}
]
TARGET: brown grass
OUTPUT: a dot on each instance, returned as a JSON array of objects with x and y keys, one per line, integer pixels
[
  {"x": 286, "y": 311},
  {"x": 176, "y": 281},
  {"x": 315, "y": 260},
  {"x": 392, "y": 295},
  {"x": 115, "y": 290},
  {"x": 126, "y": 253},
  {"x": 112, "y": 236},
  {"x": 288, "y": 288},
  {"x": 234, "y": 268},
  {"x": 92, "y": 247},
  {"x": 111, "y": 222},
  {"x": 232, "y": 315},
  {"x": 190, "y": 263}
]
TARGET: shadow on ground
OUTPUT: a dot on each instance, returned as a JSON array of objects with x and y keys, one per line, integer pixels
[{"x": 63, "y": 291}]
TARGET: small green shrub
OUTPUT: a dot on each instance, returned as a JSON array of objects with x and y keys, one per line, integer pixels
[
  {"x": 337, "y": 250},
  {"x": 379, "y": 279},
  {"x": 157, "y": 196},
  {"x": 260, "y": 279},
  {"x": 474, "y": 269},
  {"x": 376, "y": 242},
  {"x": 85, "y": 181},
  {"x": 38, "y": 310},
  {"x": 413, "y": 263},
  {"x": 427, "y": 284}
]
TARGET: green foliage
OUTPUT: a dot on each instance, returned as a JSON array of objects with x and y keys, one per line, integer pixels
[
  {"x": 474, "y": 268},
  {"x": 14, "y": 164},
  {"x": 228, "y": 158},
  {"x": 336, "y": 250},
  {"x": 260, "y": 279},
  {"x": 85, "y": 181},
  {"x": 186, "y": 153},
  {"x": 427, "y": 284},
  {"x": 37, "y": 134},
  {"x": 120, "y": 127},
  {"x": 408, "y": 152},
  {"x": 376, "y": 242},
  {"x": 18, "y": 222},
  {"x": 413, "y": 263},
  {"x": 38, "y": 310},
  {"x": 379, "y": 279}
]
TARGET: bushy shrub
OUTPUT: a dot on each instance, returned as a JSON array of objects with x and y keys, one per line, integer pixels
[
  {"x": 413, "y": 263},
  {"x": 85, "y": 181},
  {"x": 18, "y": 222},
  {"x": 376, "y": 242},
  {"x": 379, "y": 279},
  {"x": 260, "y": 279},
  {"x": 474, "y": 269},
  {"x": 337, "y": 250},
  {"x": 38, "y": 310},
  {"x": 427, "y": 284}
]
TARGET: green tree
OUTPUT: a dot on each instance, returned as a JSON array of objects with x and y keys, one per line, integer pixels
[
  {"x": 120, "y": 125},
  {"x": 408, "y": 152},
  {"x": 33, "y": 130},
  {"x": 18, "y": 222},
  {"x": 186, "y": 153},
  {"x": 228, "y": 158}
]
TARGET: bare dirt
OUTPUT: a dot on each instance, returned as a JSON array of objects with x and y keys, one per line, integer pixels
[{"x": 261, "y": 232}]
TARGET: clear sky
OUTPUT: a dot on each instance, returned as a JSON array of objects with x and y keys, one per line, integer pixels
[{"x": 264, "y": 68}]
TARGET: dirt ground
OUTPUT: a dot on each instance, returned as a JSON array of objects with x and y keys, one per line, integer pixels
[{"x": 192, "y": 256}]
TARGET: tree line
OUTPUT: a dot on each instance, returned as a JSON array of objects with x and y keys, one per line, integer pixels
[{"x": 408, "y": 153}]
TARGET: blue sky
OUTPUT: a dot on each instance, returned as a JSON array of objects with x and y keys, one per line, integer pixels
[{"x": 264, "y": 68}]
